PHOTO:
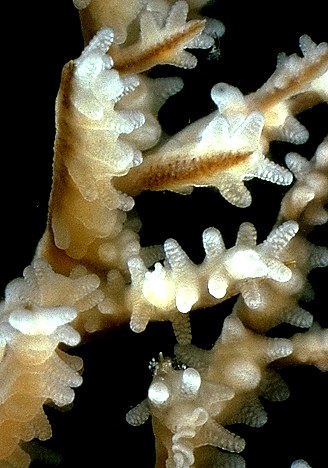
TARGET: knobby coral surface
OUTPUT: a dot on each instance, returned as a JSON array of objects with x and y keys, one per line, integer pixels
[{"x": 185, "y": 232}]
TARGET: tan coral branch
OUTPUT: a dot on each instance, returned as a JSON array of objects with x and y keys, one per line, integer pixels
[
  {"x": 174, "y": 174},
  {"x": 265, "y": 98},
  {"x": 131, "y": 60}
]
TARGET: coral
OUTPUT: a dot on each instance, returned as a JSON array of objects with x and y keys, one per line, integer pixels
[{"x": 180, "y": 271}]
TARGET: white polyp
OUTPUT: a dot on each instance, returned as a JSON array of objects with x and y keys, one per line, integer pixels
[
  {"x": 81, "y": 4},
  {"x": 297, "y": 164},
  {"x": 246, "y": 235},
  {"x": 130, "y": 82},
  {"x": 191, "y": 381},
  {"x": 122, "y": 160},
  {"x": 138, "y": 415},
  {"x": 216, "y": 130},
  {"x": 279, "y": 347},
  {"x": 138, "y": 321},
  {"x": 306, "y": 44},
  {"x": 281, "y": 236},
  {"x": 299, "y": 318},
  {"x": 158, "y": 393},
  {"x": 217, "y": 286},
  {"x": 108, "y": 86},
  {"x": 278, "y": 271},
  {"x": 68, "y": 335},
  {"x": 251, "y": 295},
  {"x": 183, "y": 455},
  {"x": 213, "y": 242},
  {"x": 163, "y": 88},
  {"x": 272, "y": 172},
  {"x": 89, "y": 67},
  {"x": 186, "y": 297},
  {"x": 300, "y": 464},
  {"x": 294, "y": 131},
  {"x": 137, "y": 270},
  {"x": 310, "y": 49},
  {"x": 245, "y": 263},
  {"x": 249, "y": 132},
  {"x": 319, "y": 257},
  {"x": 41, "y": 322},
  {"x": 131, "y": 120},
  {"x": 214, "y": 28},
  {"x": 203, "y": 41},
  {"x": 101, "y": 41},
  {"x": 126, "y": 202},
  {"x": 227, "y": 97},
  {"x": 157, "y": 289},
  {"x": 176, "y": 256},
  {"x": 108, "y": 62}
]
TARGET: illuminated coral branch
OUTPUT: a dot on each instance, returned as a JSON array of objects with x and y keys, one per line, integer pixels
[{"x": 91, "y": 270}]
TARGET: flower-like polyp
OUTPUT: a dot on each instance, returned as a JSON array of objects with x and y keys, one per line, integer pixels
[
  {"x": 191, "y": 406},
  {"x": 35, "y": 371},
  {"x": 182, "y": 405}
]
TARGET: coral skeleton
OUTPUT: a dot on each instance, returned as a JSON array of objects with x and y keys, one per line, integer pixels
[{"x": 94, "y": 272}]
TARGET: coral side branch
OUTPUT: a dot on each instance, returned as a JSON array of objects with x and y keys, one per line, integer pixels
[
  {"x": 256, "y": 272},
  {"x": 308, "y": 197},
  {"x": 230, "y": 145},
  {"x": 33, "y": 369},
  {"x": 297, "y": 84},
  {"x": 165, "y": 33},
  {"x": 295, "y": 75},
  {"x": 86, "y": 212},
  {"x": 94, "y": 270},
  {"x": 195, "y": 403},
  {"x": 216, "y": 151}
]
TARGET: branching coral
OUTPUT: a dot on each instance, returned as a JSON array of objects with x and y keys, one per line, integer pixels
[{"x": 95, "y": 267}]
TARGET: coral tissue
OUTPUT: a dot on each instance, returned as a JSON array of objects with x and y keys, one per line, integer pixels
[{"x": 91, "y": 271}]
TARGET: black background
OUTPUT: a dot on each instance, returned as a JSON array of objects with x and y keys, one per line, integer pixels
[{"x": 38, "y": 38}]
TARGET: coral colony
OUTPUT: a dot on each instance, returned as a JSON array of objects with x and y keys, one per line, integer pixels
[{"x": 94, "y": 272}]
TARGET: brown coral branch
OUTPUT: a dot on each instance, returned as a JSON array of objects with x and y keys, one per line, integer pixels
[
  {"x": 268, "y": 96},
  {"x": 178, "y": 173},
  {"x": 133, "y": 59}
]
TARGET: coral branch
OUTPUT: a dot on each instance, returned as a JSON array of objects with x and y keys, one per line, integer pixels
[{"x": 228, "y": 299}]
